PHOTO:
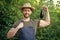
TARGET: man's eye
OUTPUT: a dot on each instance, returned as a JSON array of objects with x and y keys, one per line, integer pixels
[{"x": 28, "y": 10}]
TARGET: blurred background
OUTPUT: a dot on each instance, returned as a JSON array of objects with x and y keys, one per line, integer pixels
[{"x": 9, "y": 13}]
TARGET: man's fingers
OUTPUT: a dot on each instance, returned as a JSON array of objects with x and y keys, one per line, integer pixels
[{"x": 44, "y": 7}]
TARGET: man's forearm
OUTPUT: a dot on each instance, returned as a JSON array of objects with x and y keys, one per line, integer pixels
[
  {"x": 12, "y": 32},
  {"x": 47, "y": 17}
]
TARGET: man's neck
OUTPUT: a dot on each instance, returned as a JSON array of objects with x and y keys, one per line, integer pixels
[{"x": 26, "y": 19}]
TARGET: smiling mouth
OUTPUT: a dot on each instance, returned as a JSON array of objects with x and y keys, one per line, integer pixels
[{"x": 26, "y": 15}]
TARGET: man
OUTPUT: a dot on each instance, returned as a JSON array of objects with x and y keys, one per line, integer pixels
[{"x": 26, "y": 26}]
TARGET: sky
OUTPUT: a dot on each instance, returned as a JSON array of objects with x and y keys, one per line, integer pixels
[{"x": 55, "y": 1}]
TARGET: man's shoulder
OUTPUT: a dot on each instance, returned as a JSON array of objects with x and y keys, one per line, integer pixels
[{"x": 16, "y": 23}]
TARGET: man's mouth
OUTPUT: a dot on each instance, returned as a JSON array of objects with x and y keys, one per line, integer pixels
[{"x": 26, "y": 14}]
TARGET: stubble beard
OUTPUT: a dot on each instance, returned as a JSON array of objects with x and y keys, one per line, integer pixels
[{"x": 25, "y": 15}]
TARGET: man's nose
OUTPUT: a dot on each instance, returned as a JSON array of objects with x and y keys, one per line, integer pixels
[{"x": 26, "y": 11}]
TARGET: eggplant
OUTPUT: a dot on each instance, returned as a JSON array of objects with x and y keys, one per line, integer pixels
[{"x": 41, "y": 14}]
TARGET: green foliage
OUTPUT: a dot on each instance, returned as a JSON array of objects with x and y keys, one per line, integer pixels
[{"x": 9, "y": 13}]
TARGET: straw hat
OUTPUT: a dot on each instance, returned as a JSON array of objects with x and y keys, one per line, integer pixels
[{"x": 27, "y": 5}]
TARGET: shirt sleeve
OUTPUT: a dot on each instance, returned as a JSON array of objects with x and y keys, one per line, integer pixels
[
  {"x": 16, "y": 24},
  {"x": 36, "y": 24}
]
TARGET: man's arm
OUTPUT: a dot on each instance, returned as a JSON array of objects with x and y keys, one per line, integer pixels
[
  {"x": 46, "y": 22},
  {"x": 11, "y": 33}
]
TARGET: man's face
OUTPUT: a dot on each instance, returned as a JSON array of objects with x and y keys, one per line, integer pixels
[{"x": 27, "y": 12}]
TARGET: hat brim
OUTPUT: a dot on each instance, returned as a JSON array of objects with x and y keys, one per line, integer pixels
[{"x": 32, "y": 8}]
